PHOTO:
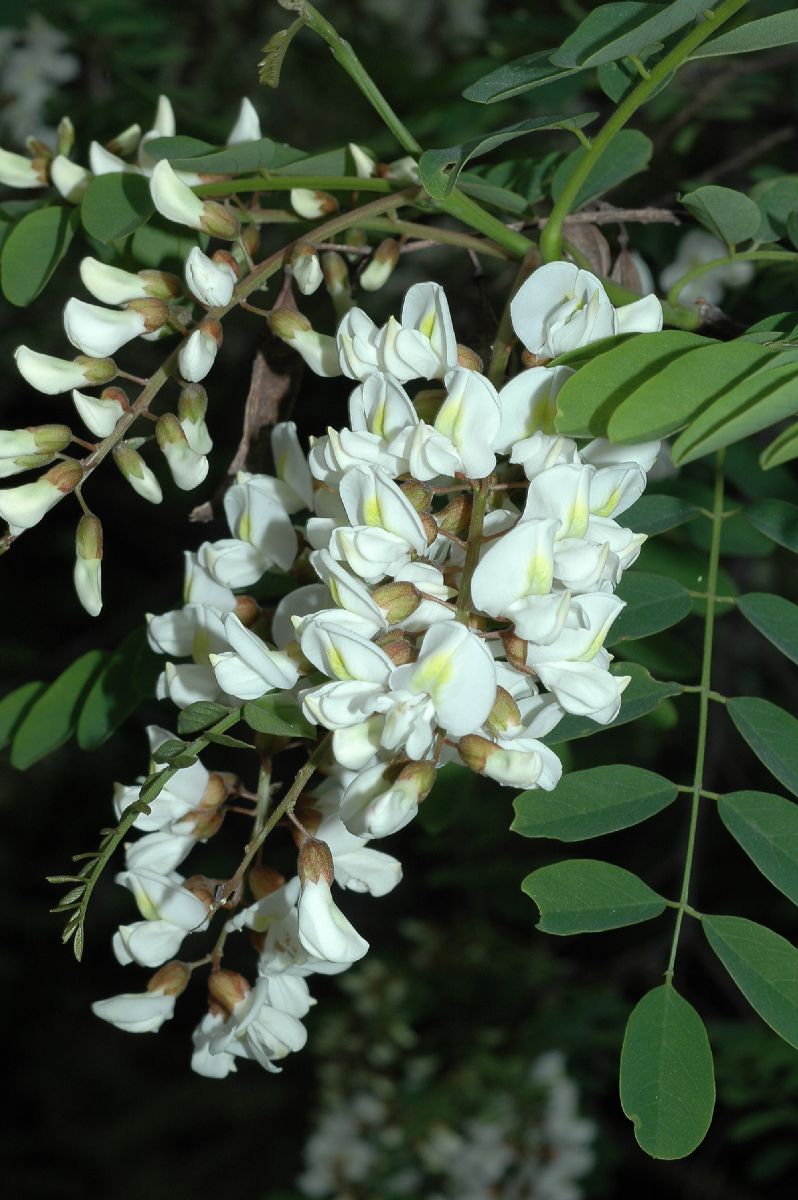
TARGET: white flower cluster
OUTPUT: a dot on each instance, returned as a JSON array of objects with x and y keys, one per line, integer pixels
[{"x": 448, "y": 622}]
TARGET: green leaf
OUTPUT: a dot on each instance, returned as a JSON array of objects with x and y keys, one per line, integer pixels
[
  {"x": 200, "y": 716},
  {"x": 13, "y": 708},
  {"x": 331, "y": 162},
  {"x": 161, "y": 245},
  {"x": 613, "y": 31},
  {"x": 641, "y": 695},
  {"x": 241, "y": 159},
  {"x": 776, "y": 199},
  {"x": 766, "y": 827},
  {"x": 583, "y": 895},
  {"x": 52, "y": 719},
  {"x": 771, "y": 733},
  {"x": 629, "y": 153},
  {"x": 33, "y": 250},
  {"x": 663, "y": 404},
  {"x": 777, "y": 30},
  {"x": 588, "y": 399},
  {"x": 730, "y": 215},
  {"x": 775, "y": 618},
  {"x": 764, "y": 966},
  {"x": 115, "y": 205},
  {"x": 170, "y": 751},
  {"x": 756, "y": 403},
  {"x": 278, "y": 715},
  {"x": 777, "y": 519},
  {"x": 653, "y": 603},
  {"x": 520, "y": 75},
  {"x": 667, "y": 1075},
  {"x": 653, "y": 514},
  {"x": 176, "y": 148},
  {"x": 583, "y": 354},
  {"x": 590, "y": 803},
  {"x": 439, "y": 169},
  {"x": 782, "y": 449},
  {"x": 127, "y": 678}
]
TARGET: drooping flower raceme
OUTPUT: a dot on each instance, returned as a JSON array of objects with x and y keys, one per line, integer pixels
[{"x": 466, "y": 558}]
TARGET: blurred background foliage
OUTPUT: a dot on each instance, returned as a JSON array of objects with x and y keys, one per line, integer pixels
[{"x": 94, "y": 1112}]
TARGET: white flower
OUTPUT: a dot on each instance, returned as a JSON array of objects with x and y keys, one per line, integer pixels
[
  {"x": 19, "y": 171},
  {"x": 263, "y": 536},
  {"x": 210, "y": 281},
  {"x": 257, "y": 1031},
  {"x": 373, "y": 806},
  {"x": 528, "y": 403},
  {"x": 698, "y": 247},
  {"x": 111, "y": 285},
  {"x": 100, "y": 414},
  {"x": 69, "y": 179},
  {"x": 456, "y": 670},
  {"x": 100, "y": 331},
  {"x": 213, "y": 1065},
  {"x": 173, "y": 198},
  {"x": 24, "y": 506},
  {"x": 250, "y": 669},
  {"x": 170, "y": 913},
  {"x": 197, "y": 355},
  {"x": 183, "y": 793},
  {"x": 53, "y": 375},
  {"x": 323, "y": 929},
  {"x": 136, "y": 1012},
  {"x": 470, "y": 418},
  {"x": 357, "y": 867},
  {"x": 247, "y": 125}
]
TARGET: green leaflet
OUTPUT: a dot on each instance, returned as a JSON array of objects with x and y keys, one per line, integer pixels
[
  {"x": 764, "y": 966},
  {"x": 766, "y": 827},
  {"x": 114, "y": 206},
  {"x": 667, "y": 1075},
  {"x": 629, "y": 153},
  {"x": 279, "y": 715},
  {"x": 583, "y": 895},
  {"x": 53, "y": 717},
  {"x": 654, "y": 513},
  {"x": 439, "y": 169},
  {"x": 127, "y": 678},
  {"x": 775, "y": 618},
  {"x": 591, "y": 803},
  {"x": 613, "y": 31},
  {"x": 587, "y": 401},
  {"x": 520, "y": 75},
  {"x": 653, "y": 603},
  {"x": 730, "y": 215},
  {"x": 771, "y": 733},
  {"x": 777, "y": 30},
  {"x": 777, "y": 519},
  {"x": 32, "y": 251}
]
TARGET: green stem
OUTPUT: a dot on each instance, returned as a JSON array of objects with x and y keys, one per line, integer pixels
[
  {"x": 551, "y": 238},
  {"x": 465, "y": 209},
  {"x": 345, "y": 56},
  {"x": 505, "y": 336},
  {"x": 480, "y": 503},
  {"x": 705, "y": 694},
  {"x": 303, "y": 776},
  {"x": 745, "y": 256},
  {"x": 277, "y": 183}
]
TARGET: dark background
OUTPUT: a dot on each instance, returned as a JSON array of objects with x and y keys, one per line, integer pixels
[{"x": 92, "y": 1111}]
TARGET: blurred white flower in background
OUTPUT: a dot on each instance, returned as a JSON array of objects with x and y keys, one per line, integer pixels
[{"x": 34, "y": 63}]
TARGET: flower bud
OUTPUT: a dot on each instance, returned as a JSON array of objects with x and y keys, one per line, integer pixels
[
  {"x": 402, "y": 170},
  {"x": 65, "y": 136},
  {"x": 264, "y": 880},
  {"x": 100, "y": 414},
  {"x": 357, "y": 238},
  {"x": 204, "y": 824},
  {"x": 308, "y": 815},
  {"x": 125, "y": 142},
  {"x": 418, "y": 495},
  {"x": 421, "y": 775},
  {"x": 210, "y": 281},
  {"x": 100, "y": 331},
  {"x": 87, "y": 574},
  {"x": 532, "y": 360},
  {"x": 19, "y": 171},
  {"x": 312, "y": 204},
  {"x": 201, "y": 887},
  {"x": 305, "y": 268},
  {"x": 362, "y": 160},
  {"x": 427, "y": 402},
  {"x": 23, "y": 507},
  {"x": 396, "y": 600},
  {"x": 456, "y": 516},
  {"x": 398, "y": 649},
  {"x": 247, "y": 610},
  {"x": 430, "y": 526},
  {"x": 172, "y": 979},
  {"x": 103, "y": 162},
  {"x": 53, "y": 375},
  {"x": 137, "y": 473},
  {"x": 198, "y": 352},
  {"x": 336, "y": 281},
  {"x": 380, "y": 266},
  {"x": 36, "y": 439},
  {"x": 315, "y": 862},
  {"x": 161, "y": 284},
  {"x": 220, "y": 221},
  {"x": 318, "y": 350},
  {"x": 515, "y": 650},
  {"x": 155, "y": 312},
  {"x": 227, "y": 989},
  {"x": 475, "y": 751},
  {"x": 188, "y": 468},
  {"x": 69, "y": 179},
  {"x": 175, "y": 199},
  {"x": 247, "y": 125},
  {"x": 250, "y": 236},
  {"x": 504, "y": 719},
  {"x": 466, "y": 357}
]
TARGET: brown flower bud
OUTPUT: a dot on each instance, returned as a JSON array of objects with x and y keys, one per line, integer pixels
[
  {"x": 515, "y": 649},
  {"x": 456, "y": 516},
  {"x": 161, "y": 285},
  {"x": 315, "y": 862},
  {"x": 215, "y": 794},
  {"x": 531, "y": 360},
  {"x": 201, "y": 887},
  {"x": 264, "y": 880},
  {"x": 396, "y": 600},
  {"x": 118, "y": 394},
  {"x": 505, "y": 716},
  {"x": 192, "y": 403},
  {"x": 466, "y": 357},
  {"x": 475, "y": 751},
  {"x": 172, "y": 979},
  {"x": 430, "y": 526},
  {"x": 227, "y": 989},
  {"x": 418, "y": 495},
  {"x": 227, "y": 259},
  {"x": 89, "y": 537},
  {"x": 247, "y": 610},
  {"x": 398, "y": 649},
  {"x": 65, "y": 475},
  {"x": 155, "y": 313},
  {"x": 422, "y": 775}
]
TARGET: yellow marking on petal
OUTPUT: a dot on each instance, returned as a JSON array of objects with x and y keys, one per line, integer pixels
[
  {"x": 433, "y": 674},
  {"x": 378, "y": 422},
  {"x": 539, "y": 573},
  {"x": 336, "y": 664},
  {"x": 244, "y": 526},
  {"x": 145, "y": 906},
  {"x": 371, "y": 511},
  {"x": 332, "y": 584},
  {"x": 280, "y": 466},
  {"x": 200, "y": 645},
  {"x": 427, "y": 324},
  {"x": 609, "y": 507}
]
